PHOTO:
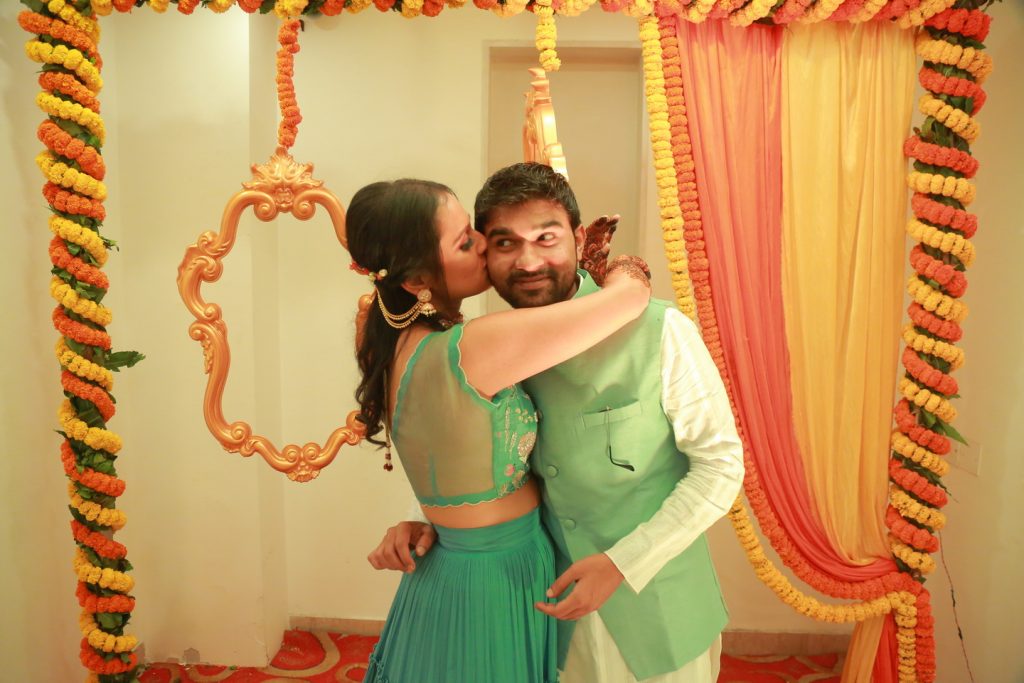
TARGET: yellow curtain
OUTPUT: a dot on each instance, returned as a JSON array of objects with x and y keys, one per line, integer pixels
[{"x": 847, "y": 102}]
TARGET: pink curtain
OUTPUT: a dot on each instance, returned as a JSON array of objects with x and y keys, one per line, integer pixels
[{"x": 732, "y": 83}]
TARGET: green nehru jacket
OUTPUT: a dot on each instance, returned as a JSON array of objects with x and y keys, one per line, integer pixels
[{"x": 607, "y": 456}]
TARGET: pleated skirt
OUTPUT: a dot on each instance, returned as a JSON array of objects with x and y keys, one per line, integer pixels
[{"x": 466, "y": 614}]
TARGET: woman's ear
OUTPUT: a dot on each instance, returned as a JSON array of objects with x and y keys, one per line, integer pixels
[{"x": 414, "y": 284}]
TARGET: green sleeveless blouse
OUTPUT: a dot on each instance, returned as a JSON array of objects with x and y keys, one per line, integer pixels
[{"x": 458, "y": 447}]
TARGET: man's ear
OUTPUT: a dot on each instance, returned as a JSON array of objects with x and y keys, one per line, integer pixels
[{"x": 580, "y": 235}]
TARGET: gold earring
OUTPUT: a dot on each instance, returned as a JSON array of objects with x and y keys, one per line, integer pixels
[{"x": 423, "y": 297}]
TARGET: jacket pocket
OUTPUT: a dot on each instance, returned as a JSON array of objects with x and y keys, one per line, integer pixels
[{"x": 618, "y": 425}]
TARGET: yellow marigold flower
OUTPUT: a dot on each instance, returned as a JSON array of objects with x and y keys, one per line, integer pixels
[
  {"x": 698, "y": 11},
  {"x": 923, "y": 12},
  {"x": 914, "y": 560},
  {"x": 100, "y": 639},
  {"x": 84, "y": 237},
  {"x": 59, "y": 173},
  {"x": 82, "y": 367},
  {"x": 948, "y": 241},
  {"x": 73, "y": 111},
  {"x": 976, "y": 62},
  {"x": 356, "y": 6},
  {"x": 68, "y": 298},
  {"x": 908, "y": 507},
  {"x": 820, "y": 11},
  {"x": 289, "y": 9},
  {"x": 105, "y": 578},
  {"x": 868, "y": 11},
  {"x": 220, "y": 6},
  {"x": 757, "y": 9},
  {"x": 572, "y": 8},
  {"x": 108, "y": 517},
  {"x": 103, "y": 7},
  {"x": 159, "y": 6},
  {"x": 68, "y": 57},
  {"x": 72, "y": 16},
  {"x": 922, "y": 456},
  {"x": 947, "y": 186},
  {"x": 957, "y": 120},
  {"x": 933, "y": 300},
  {"x": 924, "y": 344},
  {"x": 94, "y": 437},
  {"x": 924, "y": 398}
]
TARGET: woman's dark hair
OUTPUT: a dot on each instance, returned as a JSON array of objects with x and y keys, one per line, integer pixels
[
  {"x": 391, "y": 226},
  {"x": 519, "y": 183}
]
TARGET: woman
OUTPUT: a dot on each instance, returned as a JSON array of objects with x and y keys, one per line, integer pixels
[{"x": 464, "y": 430}]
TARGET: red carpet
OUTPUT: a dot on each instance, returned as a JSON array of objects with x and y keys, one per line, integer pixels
[{"x": 335, "y": 658}]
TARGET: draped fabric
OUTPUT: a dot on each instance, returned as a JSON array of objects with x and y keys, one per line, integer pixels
[
  {"x": 836, "y": 164},
  {"x": 847, "y": 100}
]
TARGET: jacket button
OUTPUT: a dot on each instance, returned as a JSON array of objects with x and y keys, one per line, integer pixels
[
  {"x": 569, "y": 524},
  {"x": 551, "y": 471}
]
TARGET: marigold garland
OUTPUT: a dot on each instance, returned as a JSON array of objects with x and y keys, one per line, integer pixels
[
  {"x": 76, "y": 234},
  {"x": 739, "y": 12},
  {"x": 79, "y": 332},
  {"x": 288, "y": 37},
  {"x": 59, "y": 173},
  {"x": 61, "y": 143},
  {"x": 70, "y": 58},
  {"x": 65, "y": 42},
  {"x": 61, "y": 31},
  {"x": 69, "y": 298},
  {"x": 546, "y": 35},
  {"x": 942, "y": 227},
  {"x": 106, "y": 484},
  {"x": 72, "y": 111},
  {"x": 665, "y": 175}
]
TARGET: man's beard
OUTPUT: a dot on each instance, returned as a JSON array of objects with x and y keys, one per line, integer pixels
[{"x": 558, "y": 287}]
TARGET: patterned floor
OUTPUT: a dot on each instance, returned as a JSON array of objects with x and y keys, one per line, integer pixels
[{"x": 334, "y": 658}]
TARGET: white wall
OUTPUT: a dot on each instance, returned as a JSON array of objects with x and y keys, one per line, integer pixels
[{"x": 224, "y": 548}]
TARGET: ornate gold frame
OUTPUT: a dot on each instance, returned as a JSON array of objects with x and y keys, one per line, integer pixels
[
  {"x": 540, "y": 139},
  {"x": 280, "y": 186}
]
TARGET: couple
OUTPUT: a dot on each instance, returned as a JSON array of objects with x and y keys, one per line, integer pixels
[{"x": 600, "y": 402}]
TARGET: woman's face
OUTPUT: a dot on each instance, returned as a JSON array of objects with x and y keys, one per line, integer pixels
[{"x": 462, "y": 251}]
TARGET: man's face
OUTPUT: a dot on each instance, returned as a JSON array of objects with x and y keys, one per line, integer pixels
[{"x": 532, "y": 251}]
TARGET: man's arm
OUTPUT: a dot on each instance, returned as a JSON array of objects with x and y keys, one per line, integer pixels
[
  {"x": 695, "y": 401},
  {"x": 394, "y": 552}
]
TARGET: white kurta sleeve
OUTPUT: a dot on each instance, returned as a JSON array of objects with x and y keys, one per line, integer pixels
[
  {"x": 694, "y": 400},
  {"x": 416, "y": 512}
]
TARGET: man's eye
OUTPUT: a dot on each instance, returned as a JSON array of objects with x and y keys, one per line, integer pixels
[
  {"x": 502, "y": 244},
  {"x": 546, "y": 237}
]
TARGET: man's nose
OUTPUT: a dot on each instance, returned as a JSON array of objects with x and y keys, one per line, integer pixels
[{"x": 528, "y": 259}]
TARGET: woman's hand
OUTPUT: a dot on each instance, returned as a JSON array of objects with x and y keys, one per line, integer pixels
[
  {"x": 594, "y": 259},
  {"x": 626, "y": 268}
]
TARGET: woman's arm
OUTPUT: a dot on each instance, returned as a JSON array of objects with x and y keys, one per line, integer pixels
[{"x": 501, "y": 349}]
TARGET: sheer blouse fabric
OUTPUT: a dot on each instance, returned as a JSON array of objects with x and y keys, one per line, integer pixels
[{"x": 458, "y": 447}]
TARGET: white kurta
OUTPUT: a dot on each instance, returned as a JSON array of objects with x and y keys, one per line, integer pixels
[{"x": 694, "y": 400}]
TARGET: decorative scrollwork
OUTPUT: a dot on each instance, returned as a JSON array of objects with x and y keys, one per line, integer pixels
[
  {"x": 280, "y": 186},
  {"x": 540, "y": 139}
]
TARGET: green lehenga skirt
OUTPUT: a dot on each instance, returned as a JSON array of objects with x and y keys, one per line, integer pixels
[{"x": 466, "y": 614}]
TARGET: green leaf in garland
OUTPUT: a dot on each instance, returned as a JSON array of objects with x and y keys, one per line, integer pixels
[
  {"x": 34, "y": 5},
  {"x": 950, "y": 431},
  {"x": 123, "y": 359},
  {"x": 109, "y": 620}
]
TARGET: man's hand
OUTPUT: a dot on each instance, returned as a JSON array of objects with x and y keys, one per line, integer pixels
[
  {"x": 594, "y": 259},
  {"x": 596, "y": 578},
  {"x": 394, "y": 551}
]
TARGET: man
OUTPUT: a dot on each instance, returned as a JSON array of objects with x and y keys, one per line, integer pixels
[{"x": 637, "y": 452}]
